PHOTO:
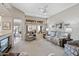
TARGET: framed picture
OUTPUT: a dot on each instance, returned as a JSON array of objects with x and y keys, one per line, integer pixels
[{"x": 6, "y": 25}]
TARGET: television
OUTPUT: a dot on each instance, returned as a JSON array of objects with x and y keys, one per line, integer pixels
[{"x": 3, "y": 44}]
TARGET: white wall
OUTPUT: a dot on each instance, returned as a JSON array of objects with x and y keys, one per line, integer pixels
[
  {"x": 9, "y": 14},
  {"x": 71, "y": 15}
]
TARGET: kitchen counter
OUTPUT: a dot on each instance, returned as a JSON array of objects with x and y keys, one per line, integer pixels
[
  {"x": 4, "y": 34},
  {"x": 5, "y": 40}
]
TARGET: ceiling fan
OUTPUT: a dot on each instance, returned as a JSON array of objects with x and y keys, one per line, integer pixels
[{"x": 44, "y": 10}]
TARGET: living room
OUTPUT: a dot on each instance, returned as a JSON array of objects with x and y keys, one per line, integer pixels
[{"x": 43, "y": 32}]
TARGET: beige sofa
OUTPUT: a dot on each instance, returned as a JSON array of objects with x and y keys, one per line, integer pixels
[{"x": 55, "y": 38}]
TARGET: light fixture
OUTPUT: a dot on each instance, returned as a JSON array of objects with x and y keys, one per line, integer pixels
[
  {"x": 69, "y": 30},
  {"x": 44, "y": 11}
]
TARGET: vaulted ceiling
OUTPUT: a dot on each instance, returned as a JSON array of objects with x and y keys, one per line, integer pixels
[{"x": 33, "y": 9}]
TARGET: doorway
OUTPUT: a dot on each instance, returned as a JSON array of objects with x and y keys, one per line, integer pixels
[{"x": 17, "y": 30}]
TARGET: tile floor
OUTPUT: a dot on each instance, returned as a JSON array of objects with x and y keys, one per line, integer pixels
[{"x": 38, "y": 47}]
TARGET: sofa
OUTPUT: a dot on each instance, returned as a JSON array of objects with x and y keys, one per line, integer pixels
[{"x": 56, "y": 36}]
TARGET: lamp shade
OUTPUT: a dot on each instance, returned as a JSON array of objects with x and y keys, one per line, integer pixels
[{"x": 69, "y": 30}]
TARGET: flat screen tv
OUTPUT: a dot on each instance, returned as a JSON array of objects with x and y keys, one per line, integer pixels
[{"x": 3, "y": 44}]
